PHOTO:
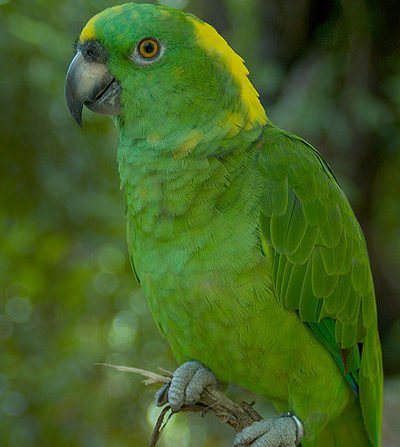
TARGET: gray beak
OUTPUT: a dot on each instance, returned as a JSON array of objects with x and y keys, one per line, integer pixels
[{"x": 90, "y": 83}]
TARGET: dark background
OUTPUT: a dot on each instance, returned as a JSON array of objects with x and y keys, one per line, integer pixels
[{"x": 327, "y": 70}]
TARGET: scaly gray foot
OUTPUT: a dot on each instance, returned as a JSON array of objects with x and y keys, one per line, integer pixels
[
  {"x": 283, "y": 431},
  {"x": 186, "y": 386}
]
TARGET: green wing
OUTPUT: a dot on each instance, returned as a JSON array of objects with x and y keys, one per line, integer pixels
[{"x": 320, "y": 262}]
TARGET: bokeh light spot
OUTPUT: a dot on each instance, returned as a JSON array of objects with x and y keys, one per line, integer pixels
[
  {"x": 14, "y": 404},
  {"x": 111, "y": 259},
  {"x": 105, "y": 283},
  {"x": 19, "y": 309},
  {"x": 123, "y": 331}
]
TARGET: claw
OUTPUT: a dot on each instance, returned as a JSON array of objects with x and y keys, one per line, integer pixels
[{"x": 161, "y": 395}]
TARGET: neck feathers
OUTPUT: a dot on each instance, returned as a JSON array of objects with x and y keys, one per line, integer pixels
[{"x": 252, "y": 113}]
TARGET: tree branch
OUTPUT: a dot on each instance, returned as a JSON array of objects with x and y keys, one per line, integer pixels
[{"x": 212, "y": 399}]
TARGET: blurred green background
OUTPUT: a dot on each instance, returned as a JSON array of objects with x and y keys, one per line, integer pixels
[{"x": 327, "y": 70}]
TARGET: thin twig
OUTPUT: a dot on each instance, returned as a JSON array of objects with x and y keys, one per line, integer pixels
[
  {"x": 159, "y": 427},
  {"x": 151, "y": 377}
]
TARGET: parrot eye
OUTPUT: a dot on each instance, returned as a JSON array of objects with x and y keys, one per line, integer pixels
[{"x": 148, "y": 50}]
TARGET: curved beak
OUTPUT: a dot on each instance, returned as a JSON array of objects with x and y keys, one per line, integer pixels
[{"x": 90, "y": 83}]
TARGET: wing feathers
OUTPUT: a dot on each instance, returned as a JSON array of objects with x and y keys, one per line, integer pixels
[{"x": 320, "y": 262}]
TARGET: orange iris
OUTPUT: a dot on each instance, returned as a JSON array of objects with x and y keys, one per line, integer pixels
[{"x": 149, "y": 48}]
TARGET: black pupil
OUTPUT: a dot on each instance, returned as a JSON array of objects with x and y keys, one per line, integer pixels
[{"x": 148, "y": 47}]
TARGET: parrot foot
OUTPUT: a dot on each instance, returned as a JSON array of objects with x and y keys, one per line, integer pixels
[
  {"x": 186, "y": 386},
  {"x": 284, "y": 431}
]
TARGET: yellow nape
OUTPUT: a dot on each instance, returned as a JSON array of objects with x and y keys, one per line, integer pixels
[
  {"x": 89, "y": 31},
  {"x": 214, "y": 43}
]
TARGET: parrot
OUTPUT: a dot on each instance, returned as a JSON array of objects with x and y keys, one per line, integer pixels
[{"x": 249, "y": 254}]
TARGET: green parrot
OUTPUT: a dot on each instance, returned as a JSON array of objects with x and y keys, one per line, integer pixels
[{"x": 252, "y": 261}]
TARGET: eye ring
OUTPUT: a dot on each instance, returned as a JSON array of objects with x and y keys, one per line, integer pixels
[
  {"x": 149, "y": 48},
  {"x": 147, "y": 51}
]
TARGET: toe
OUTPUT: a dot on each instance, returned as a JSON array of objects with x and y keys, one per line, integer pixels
[
  {"x": 179, "y": 382},
  {"x": 187, "y": 383},
  {"x": 276, "y": 432},
  {"x": 248, "y": 435},
  {"x": 202, "y": 378}
]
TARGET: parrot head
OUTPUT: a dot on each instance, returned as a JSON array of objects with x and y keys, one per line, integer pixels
[{"x": 157, "y": 68}]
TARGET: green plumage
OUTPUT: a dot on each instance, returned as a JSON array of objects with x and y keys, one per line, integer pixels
[
  {"x": 322, "y": 253},
  {"x": 246, "y": 247}
]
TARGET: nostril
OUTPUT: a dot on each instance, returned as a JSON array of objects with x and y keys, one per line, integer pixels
[
  {"x": 93, "y": 51},
  {"x": 90, "y": 52}
]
